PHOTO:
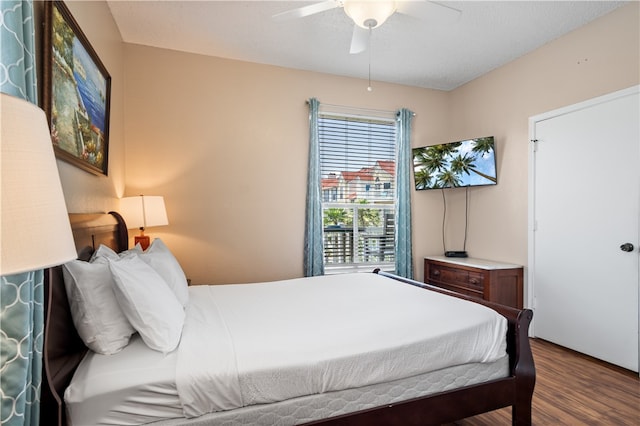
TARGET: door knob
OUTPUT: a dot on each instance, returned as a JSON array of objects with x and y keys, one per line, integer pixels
[{"x": 626, "y": 247}]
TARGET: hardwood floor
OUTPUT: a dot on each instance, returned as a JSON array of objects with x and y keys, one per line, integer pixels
[{"x": 574, "y": 389}]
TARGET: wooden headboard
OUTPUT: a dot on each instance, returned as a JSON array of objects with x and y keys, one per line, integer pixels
[{"x": 63, "y": 349}]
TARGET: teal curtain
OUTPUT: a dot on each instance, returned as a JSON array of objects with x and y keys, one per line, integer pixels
[
  {"x": 21, "y": 295},
  {"x": 313, "y": 247},
  {"x": 18, "y": 76},
  {"x": 21, "y": 338},
  {"x": 404, "y": 254}
]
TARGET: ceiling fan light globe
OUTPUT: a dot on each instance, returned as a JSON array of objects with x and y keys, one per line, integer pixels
[{"x": 369, "y": 14}]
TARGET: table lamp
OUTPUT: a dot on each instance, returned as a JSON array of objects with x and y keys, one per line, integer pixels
[
  {"x": 35, "y": 232},
  {"x": 141, "y": 212}
]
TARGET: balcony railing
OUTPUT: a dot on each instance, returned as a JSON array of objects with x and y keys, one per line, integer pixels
[{"x": 358, "y": 235}]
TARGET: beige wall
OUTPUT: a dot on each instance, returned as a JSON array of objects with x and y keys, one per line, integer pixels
[
  {"x": 599, "y": 58},
  {"x": 85, "y": 192},
  {"x": 225, "y": 142}
]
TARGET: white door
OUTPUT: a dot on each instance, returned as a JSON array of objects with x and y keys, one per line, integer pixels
[{"x": 586, "y": 192}]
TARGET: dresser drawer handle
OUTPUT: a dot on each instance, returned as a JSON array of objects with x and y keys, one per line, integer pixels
[
  {"x": 474, "y": 281},
  {"x": 436, "y": 272}
]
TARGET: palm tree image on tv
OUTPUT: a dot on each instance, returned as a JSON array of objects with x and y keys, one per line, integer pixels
[{"x": 470, "y": 162}]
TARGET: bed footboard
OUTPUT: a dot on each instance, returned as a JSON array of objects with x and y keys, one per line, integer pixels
[{"x": 515, "y": 391}]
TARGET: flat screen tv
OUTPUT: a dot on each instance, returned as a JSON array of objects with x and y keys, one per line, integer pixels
[{"x": 471, "y": 162}]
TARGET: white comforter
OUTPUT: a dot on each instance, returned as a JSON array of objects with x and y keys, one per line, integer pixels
[{"x": 260, "y": 343}]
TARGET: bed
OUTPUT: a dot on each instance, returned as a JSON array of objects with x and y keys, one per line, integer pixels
[{"x": 461, "y": 390}]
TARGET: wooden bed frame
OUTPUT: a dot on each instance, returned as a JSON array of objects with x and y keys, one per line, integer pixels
[{"x": 63, "y": 351}]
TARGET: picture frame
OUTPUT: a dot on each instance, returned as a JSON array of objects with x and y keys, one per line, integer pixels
[{"x": 76, "y": 92}]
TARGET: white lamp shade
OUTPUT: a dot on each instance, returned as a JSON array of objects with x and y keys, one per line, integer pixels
[
  {"x": 35, "y": 232},
  {"x": 143, "y": 211},
  {"x": 363, "y": 10}
]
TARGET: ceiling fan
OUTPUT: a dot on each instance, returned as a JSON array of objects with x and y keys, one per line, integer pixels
[{"x": 370, "y": 14}]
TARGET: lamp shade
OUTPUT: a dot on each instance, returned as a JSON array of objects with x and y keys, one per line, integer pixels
[
  {"x": 143, "y": 211},
  {"x": 35, "y": 232}
]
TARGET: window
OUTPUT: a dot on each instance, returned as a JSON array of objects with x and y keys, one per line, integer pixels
[{"x": 357, "y": 168}]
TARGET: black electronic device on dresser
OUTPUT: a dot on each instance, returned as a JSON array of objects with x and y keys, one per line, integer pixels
[{"x": 456, "y": 254}]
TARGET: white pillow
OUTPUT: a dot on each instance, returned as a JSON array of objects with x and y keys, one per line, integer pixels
[
  {"x": 147, "y": 302},
  {"x": 162, "y": 260},
  {"x": 104, "y": 253},
  {"x": 100, "y": 322}
]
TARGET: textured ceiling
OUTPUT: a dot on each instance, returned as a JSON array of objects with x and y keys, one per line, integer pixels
[{"x": 404, "y": 50}]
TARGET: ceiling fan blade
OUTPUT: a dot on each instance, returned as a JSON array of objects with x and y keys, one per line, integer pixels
[
  {"x": 429, "y": 11},
  {"x": 359, "y": 39},
  {"x": 311, "y": 9}
]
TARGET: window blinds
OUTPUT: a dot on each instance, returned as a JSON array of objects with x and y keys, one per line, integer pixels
[{"x": 357, "y": 151}]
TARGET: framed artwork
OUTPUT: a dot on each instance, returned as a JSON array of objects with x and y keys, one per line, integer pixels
[{"x": 76, "y": 92}]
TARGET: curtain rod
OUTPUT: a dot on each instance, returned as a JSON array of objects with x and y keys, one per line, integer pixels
[{"x": 365, "y": 110}]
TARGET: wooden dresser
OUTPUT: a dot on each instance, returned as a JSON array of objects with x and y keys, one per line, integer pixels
[{"x": 485, "y": 279}]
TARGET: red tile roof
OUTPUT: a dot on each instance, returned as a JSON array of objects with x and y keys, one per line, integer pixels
[
  {"x": 388, "y": 166},
  {"x": 328, "y": 183},
  {"x": 364, "y": 174}
]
